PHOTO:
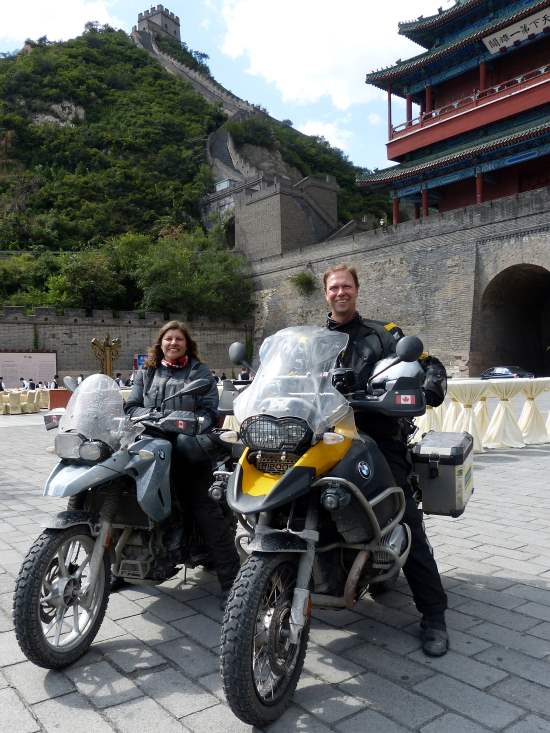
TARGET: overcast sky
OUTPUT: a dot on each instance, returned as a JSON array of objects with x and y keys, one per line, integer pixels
[{"x": 304, "y": 60}]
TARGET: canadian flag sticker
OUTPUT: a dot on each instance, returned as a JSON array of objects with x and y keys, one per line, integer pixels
[
  {"x": 181, "y": 424},
  {"x": 405, "y": 399}
]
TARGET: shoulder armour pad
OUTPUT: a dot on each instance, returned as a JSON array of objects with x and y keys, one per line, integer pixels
[{"x": 394, "y": 329}]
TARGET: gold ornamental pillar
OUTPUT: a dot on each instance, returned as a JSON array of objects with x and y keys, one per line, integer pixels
[{"x": 106, "y": 352}]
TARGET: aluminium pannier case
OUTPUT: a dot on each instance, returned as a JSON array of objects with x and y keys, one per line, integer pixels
[{"x": 444, "y": 465}]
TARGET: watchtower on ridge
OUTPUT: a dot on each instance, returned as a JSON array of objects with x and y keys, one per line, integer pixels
[{"x": 160, "y": 21}]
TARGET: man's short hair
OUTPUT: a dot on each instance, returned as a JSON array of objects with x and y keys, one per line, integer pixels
[{"x": 339, "y": 268}]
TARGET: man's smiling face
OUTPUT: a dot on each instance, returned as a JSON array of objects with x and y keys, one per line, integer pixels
[{"x": 341, "y": 294}]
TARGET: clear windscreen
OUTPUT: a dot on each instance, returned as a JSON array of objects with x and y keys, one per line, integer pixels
[
  {"x": 294, "y": 378},
  {"x": 96, "y": 411}
]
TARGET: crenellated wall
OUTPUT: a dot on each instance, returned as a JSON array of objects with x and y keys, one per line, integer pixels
[
  {"x": 70, "y": 334},
  {"x": 429, "y": 276}
]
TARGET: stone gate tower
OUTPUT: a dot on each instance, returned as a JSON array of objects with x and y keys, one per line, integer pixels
[{"x": 160, "y": 21}]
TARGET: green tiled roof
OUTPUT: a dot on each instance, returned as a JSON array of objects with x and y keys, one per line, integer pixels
[
  {"x": 454, "y": 155},
  {"x": 383, "y": 77},
  {"x": 439, "y": 19}
]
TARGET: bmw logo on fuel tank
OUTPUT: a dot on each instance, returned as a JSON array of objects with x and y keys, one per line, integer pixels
[{"x": 364, "y": 469}]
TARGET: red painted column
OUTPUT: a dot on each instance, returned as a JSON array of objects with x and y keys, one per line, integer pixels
[
  {"x": 482, "y": 75},
  {"x": 425, "y": 211},
  {"x": 395, "y": 210},
  {"x": 479, "y": 188},
  {"x": 429, "y": 99},
  {"x": 390, "y": 129},
  {"x": 409, "y": 109}
]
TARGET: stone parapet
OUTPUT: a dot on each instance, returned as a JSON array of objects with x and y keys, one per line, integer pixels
[
  {"x": 428, "y": 275},
  {"x": 69, "y": 335}
]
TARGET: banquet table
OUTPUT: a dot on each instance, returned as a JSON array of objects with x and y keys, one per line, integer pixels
[{"x": 466, "y": 410}]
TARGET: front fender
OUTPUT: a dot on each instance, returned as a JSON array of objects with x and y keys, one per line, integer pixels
[
  {"x": 70, "y": 519},
  {"x": 277, "y": 540}
]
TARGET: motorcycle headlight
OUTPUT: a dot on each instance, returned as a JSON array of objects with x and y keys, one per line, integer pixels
[
  {"x": 67, "y": 445},
  {"x": 264, "y": 432},
  {"x": 73, "y": 447},
  {"x": 93, "y": 451}
]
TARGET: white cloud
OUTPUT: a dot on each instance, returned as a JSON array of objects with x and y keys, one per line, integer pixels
[
  {"x": 374, "y": 119},
  {"x": 334, "y": 133},
  {"x": 310, "y": 49},
  {"x": 58, "y": 20}
]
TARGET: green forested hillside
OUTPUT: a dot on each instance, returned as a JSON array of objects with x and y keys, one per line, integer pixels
[
  {"x": 102, "y": 170},
  {"x": 136, "y": 162}
]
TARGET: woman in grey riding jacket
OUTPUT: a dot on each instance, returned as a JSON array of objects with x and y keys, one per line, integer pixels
[{"x": 173, "y": 362}]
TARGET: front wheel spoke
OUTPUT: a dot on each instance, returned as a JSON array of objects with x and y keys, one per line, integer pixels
[
  {"x": 81, "y": 568},
  {"x": 52, "y": 623},
  {"x": 76, "y": 620},
  {"x": 61, "y": 561},
  {"x": 61, "y": 618}
]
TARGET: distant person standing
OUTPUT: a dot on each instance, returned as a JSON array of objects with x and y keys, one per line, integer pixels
[
  {"x": 2, "y": 385},
  {"x": 54, "y": 384},
  {"x": 244, "y": 375},
  {"x": 40, "y": 385},
  {"x": 23, "y": 383},
  {"x": 32, "y": 383},
  {"x": 119, "y": 380}
]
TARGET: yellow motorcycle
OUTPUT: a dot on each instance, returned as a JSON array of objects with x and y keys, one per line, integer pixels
[{"x": 318, "y": 502}]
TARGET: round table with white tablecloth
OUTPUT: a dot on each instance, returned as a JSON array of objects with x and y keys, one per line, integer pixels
[{"x": 531, "y": 422}]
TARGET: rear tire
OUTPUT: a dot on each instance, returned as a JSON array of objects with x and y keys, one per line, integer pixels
[
  {"x": 54, "y": 623},
  {"x": 260, "y": 668}
]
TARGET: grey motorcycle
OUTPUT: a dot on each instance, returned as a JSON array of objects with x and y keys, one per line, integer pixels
[{"x": 123, "y": 520}]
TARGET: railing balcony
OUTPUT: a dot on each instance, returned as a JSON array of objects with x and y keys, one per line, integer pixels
[
  {"x": 472, "y": 100},
  {"x": 482, "y": 107}
]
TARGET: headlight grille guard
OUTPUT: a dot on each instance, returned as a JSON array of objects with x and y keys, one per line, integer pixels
[{"x": 276, "y": 434}]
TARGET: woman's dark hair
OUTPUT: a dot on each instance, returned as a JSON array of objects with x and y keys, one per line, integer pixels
[{"x": 155, "y": 354}]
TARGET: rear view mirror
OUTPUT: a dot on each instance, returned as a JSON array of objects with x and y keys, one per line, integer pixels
[
  {"x": 409, "y": 348},
  {"x": 237, "y": 353},
  {"x": 70, "y": 383}
]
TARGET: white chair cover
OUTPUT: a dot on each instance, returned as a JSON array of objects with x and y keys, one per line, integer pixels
[
  {"x": 503, "y": 430},
  {"x": 468, "y": 392},
  {"x": 424, "y": 423},
  {"x": 531, "y": 422},
  {"x": 438, "y": 416},
  {"x": 15, "y": 403},
  {"x": 452, "y": 415},
  {"x": 481, "y": 413},
  {"x": 43, "y": 398}
]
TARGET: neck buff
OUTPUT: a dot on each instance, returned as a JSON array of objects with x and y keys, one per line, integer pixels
[{"x": 178, "y": 364}]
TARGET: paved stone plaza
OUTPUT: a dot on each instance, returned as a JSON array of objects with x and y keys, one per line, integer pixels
[{"x": 154, "y": 664}]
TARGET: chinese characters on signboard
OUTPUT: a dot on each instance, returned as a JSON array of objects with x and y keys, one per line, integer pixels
[{"x": 507, "y": 37}]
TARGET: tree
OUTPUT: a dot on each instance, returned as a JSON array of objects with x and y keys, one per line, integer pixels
[
  {"x": 85, "y": 280},
  {"x": 193, "y": 272}
]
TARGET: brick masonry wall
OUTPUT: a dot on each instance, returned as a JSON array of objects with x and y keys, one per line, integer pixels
[
  {"x": 428, "y": 276},
  {"x": 70, "y": 335}
]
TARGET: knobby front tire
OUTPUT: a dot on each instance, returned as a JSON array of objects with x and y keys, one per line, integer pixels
[
  {"x": 54, "y": 622},
  {"x": 260, "y": 668}
]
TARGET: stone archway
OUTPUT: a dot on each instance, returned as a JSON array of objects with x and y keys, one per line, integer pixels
[{"x": 514, "y": 320}]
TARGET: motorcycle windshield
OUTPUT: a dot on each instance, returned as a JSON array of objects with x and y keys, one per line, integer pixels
[
  {"x": 95, "y": 410},
  {"x": 294, "y": 378}
]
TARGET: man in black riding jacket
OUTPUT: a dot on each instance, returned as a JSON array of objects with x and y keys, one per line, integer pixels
[{"x": 370, "y": 341}]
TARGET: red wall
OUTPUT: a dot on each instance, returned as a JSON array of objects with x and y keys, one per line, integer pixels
[
  {"x": 498, "y": 70},
  {"x": 505, "y": 182}
]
